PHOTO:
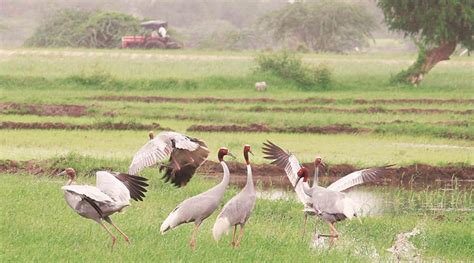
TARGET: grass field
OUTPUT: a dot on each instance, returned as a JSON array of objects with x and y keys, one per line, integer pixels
[{"x": 430, "y": 124}]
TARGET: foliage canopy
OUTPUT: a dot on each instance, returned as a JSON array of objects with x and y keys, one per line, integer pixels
[
  {"x": 433, "y": 22},
  {"x": 75, "y": 28},
  {"x": 323, "y": 26},
  {"x": 437, "y": 26}
]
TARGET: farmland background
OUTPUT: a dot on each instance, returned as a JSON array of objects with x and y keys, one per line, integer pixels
[{"x": 92, "y": 108}]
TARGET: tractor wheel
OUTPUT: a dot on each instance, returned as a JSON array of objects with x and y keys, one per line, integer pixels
[{"x": 155, "y": 44}]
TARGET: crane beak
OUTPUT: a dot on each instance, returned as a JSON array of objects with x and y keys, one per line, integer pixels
[
  {"x": 251, "y": 153},
  {"x": 231, "y": 155},
  {"x": 61, "y": 173},
  {"x": 323, "y": 164},
  {"x": 297, "y": 181}
]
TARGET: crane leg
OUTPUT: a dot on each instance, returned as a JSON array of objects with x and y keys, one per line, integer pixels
[
  {"x": 233, "y": 236},
  {"x": 176, "y": 164},
  {"x": 304, "y": 225},
  {"x": 110, "y": 233},
  {"x": 118, "y": 229},
  {"x": 334, "y": 234},
  {"x": 192, "y": 243},
  {"x": 241, "y": 233}
]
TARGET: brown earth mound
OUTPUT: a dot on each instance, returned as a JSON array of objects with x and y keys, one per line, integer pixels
[
  {"x": 330, "y": 129},
  {"x": 268, "y": 100},
  {"x": 421, "y": 101},
  {"x": 360, "y": 110},
  {"x": 419, "y": 175},
  {"x": 43, "y": 109},
  {"x": 416, "y": 175},
  {"x": 210, "y": 99},
  {"x": 68, "y": 126}
]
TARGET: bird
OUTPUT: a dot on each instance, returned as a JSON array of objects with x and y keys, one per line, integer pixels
[
  {"x": 239, "y": 209},
  {"x": 111, "y": 194},
  {"x": 292, "y": 167},
  {"x": 185, "y": 154},
  {"x": 288, "y": 162},
  {"x": 197, "y": 208}
]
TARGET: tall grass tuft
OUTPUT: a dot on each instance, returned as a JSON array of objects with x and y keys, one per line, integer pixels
[{"x": 290, "y": 66}]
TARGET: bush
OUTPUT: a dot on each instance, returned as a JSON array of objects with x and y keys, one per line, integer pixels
[
  {"x": 74, "y": 28},
  {"x": 290, "y": 66}
]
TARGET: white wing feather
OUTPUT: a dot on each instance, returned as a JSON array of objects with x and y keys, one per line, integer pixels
[
  {"x": 112, "y": 187},
  {"x": 158, "y": 149},
  {"x": 291, "y": 169},
  {"x": 90, "y": 191},
  {"x": 356, "y": 178}
]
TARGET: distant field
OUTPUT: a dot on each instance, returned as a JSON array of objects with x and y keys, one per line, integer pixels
[
  {"x": 361, "y": 101},
  {"x": 92, "y": 109}
]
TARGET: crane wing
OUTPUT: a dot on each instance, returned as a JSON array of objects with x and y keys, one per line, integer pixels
[
  {"x": 121, "y": 187},
  {"x": 287, "y": 161},
  {"x": 91, "y": 192},
  {"x": 159, "y": 148},
  {"x": 358, "y": 177},
  {"x": 189, "y": 162}
]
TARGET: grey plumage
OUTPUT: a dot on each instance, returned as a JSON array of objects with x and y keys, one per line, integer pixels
[
  {"x": 111, "y": 194},
  {"x": 185, "y": 154},
  {"x": 197, "y": 208},
  {"x": 239, "y": 209},
  {"x": 329, "y": 203}
]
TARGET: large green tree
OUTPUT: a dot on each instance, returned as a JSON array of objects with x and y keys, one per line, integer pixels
[
  {"x": 437, "y": 26},
  {"x": 334, "y": 26}
]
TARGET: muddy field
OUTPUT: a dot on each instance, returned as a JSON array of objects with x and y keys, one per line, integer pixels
[
  {"x": 267, "y": 100},
  {"x": 68, "y": 126},
  {"x": 330, "y": 129},
  {"x": 369, "y": 110},
  {"x": 43, "y": 109},
  {"x": 416, "y": 175}
]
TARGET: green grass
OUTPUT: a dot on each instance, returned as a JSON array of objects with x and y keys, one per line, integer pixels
[
  {"x": 361, "y": 150},
  {"x": 38, "y": 225}
]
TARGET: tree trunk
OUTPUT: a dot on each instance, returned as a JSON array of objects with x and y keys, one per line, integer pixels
[{"x": 431, "y": 58}]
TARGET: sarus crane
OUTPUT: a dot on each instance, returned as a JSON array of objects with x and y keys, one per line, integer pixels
[
  {"x": 238, "y": 210},
  {"x": 197, "y": 208},
  {"x": 185, "y": 154},
  {"x": 329, "y": 203},
  {"x": 111, "y": 194}
]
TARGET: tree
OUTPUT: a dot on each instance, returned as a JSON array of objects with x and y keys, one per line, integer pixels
[
  {"x": 76, "y": 28},
  {"x": 437, "y": 27},
  {"x": 322, "y": 26}
]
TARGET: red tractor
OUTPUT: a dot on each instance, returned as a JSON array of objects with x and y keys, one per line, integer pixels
[{"x": 154, "y": 40}]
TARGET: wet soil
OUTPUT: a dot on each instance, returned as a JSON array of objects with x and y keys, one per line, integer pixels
[
  {"x": 43, "y": 109},
  {"x": 68, "y": 126},
  {"x": 210, "y": 99},
  {"x": 268, "y": 100},
  {"x": 369, "y": 110},
  {"x": 416, "y": 175},
  {"x": 420, "y": 101},
  {"x": 330, "y": 129}
]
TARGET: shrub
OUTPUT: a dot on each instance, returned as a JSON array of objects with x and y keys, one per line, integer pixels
[
  {"x": 290, "y": 66},
  {"x": 74, "y": 28}
]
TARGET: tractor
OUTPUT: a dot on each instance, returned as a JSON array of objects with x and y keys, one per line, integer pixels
[{"x": 154, "y": 40}]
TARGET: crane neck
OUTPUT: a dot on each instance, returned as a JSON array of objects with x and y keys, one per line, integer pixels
[
  {"x": 226, "y": 178},
  {"x": 307, "y": 189},
  {"x": 249, "y": 184},
  {"x": 316, "y": 175}
]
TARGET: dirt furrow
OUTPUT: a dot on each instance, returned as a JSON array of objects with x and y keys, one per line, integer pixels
[
  {"x": 69, "y": 126},
  {"x": 420, "y": 175},
  {"x": 369, "y": 110},
  {"x": 151, "y": 99},
  {"x": 330, "y": 129},
  {"x": 43, "y": 109}
]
